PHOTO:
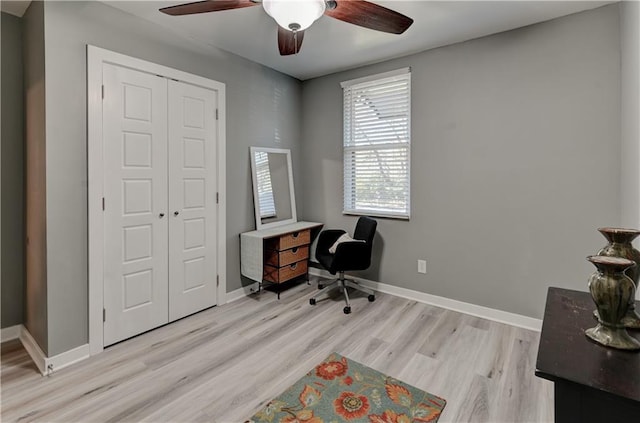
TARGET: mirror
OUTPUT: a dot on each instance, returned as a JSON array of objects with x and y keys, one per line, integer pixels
[{"x": 273, "y": 194}]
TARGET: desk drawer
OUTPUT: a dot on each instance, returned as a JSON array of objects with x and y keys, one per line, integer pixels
[
  {"x": 290, "y": 240},
  {"x": 282, "y": 258},
  {"x": 283, "y": 274}
]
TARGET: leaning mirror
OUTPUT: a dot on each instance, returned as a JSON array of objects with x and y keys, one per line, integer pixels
[{"x": 273, "y": 193}]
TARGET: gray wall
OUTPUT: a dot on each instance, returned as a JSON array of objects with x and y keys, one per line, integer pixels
[
  {"x": 36, "y": 219},
  {"x": 263, "y": 109},
  {"x": 630, "y": 123},
  {"x": 515, "y": 158},
  {"x": 12, "y": 166}
]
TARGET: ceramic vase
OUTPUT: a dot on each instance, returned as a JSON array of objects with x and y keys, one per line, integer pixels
[
  {"x": 620, "y": 246},
  {"x": 611, "y": 290}
]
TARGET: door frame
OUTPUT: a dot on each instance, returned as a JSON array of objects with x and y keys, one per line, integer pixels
[{"x": 95, "y": 58}]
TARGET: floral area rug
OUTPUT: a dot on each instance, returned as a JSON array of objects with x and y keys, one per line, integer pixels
[{"x": 342, "y": 390}]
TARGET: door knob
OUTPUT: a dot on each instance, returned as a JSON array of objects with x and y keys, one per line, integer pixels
[
  {"x": 161, "y": 215},
  {"x": 175, "y": 213}
]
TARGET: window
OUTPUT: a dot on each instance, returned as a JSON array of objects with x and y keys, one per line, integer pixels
[{"x": 377, "y": 140}]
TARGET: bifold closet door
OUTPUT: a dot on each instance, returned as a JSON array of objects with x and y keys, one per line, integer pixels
[
  {"x": 192, "y": 199},
  {"x": 135, "y": 202}
]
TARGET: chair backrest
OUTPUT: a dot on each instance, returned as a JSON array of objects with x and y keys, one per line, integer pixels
[{"x": 365, "y": 229}]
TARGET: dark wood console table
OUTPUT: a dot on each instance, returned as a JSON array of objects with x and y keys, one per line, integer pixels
[{"x": 592, "y": 383}]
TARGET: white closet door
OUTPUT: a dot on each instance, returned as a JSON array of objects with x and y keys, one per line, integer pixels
[
  {"x": 135, "y": 190},
  {"x": 192, "y": 198}
]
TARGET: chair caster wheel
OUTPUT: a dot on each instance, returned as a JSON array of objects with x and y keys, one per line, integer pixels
[
  {"x": 371, "y": 298},
  {"x": 320, "y": 286},
  {"x": 312, "y": 301},
  {"x": 347, "y": 310}
]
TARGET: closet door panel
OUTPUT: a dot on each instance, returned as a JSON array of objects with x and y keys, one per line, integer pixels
[
  {"x": 192, "y": 199},
  {"x": 135, "y": 190}
]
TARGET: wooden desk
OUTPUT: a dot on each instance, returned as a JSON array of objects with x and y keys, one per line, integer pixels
[
  {"x": 279, "y": 254},
  {"x": 592, "y": 383}
]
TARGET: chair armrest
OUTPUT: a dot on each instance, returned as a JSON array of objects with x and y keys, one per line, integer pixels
[
  {"x": 354, "y": 255},
  {"x": 327, "y": 238}
]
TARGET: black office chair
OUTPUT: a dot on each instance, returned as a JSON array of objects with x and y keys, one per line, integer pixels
[{"x": 351, "y": 255}]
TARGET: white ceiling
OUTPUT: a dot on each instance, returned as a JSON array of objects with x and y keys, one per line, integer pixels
[
  {"x": 14, "y": 7},
  {"x": 331, "y": 45}
]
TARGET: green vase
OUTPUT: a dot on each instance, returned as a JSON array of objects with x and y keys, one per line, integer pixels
[
  {"x": 620, "y": 246},
  {"x": 611, "y": 290}
]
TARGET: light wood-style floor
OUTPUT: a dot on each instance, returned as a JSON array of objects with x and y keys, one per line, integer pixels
[{"x": 223, "y": 364}]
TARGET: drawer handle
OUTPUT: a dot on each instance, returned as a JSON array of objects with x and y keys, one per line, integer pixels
[
  {"x": 294, "y": 250},
  {"x": 293, "y": 266},
  {"x": 295, "y": 234}
]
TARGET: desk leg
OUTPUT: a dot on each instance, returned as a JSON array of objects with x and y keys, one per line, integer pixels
[
  {"x": 576, "y": 403},
  {"x": 566, "y": 403}
]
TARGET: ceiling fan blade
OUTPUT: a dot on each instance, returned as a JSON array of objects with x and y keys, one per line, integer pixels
[
  {"x": 370, "y": 15},
  {"x": 289, "y": 42},
  {"x": 206, "y": 6}
]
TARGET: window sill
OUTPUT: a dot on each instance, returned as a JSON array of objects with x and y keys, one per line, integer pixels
[{"x": 376, "y": 214}]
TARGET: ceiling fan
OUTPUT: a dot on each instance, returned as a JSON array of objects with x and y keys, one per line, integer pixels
[{"x": 294, "y": 16}]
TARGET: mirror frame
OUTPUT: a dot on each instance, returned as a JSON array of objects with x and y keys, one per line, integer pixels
[{"x": 254, "y": 180}]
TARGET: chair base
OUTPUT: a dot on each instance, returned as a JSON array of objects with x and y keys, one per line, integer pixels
[{"x": 342, "y": 283}]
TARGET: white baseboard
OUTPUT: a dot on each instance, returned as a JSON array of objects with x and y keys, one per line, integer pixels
[
  {"x": 242, "y": 292},
  {"x": 455, "y": 305},
  {"x": 68, "y": 358},
  {"x": 37, "y": 355},
  {"x": 48, "y": 365},
  {"x": 10, "y": 333}
]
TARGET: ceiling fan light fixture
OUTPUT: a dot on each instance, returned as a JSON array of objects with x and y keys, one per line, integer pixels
[{"x": 294, "y": 15}]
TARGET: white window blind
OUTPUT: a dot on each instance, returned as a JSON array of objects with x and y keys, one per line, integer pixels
[
  {"x": 265, "y": 189},
  {"x": 377, "y": 140}
]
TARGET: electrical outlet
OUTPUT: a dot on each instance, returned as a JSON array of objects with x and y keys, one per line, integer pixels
[{"x": 422, "y": 266}]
